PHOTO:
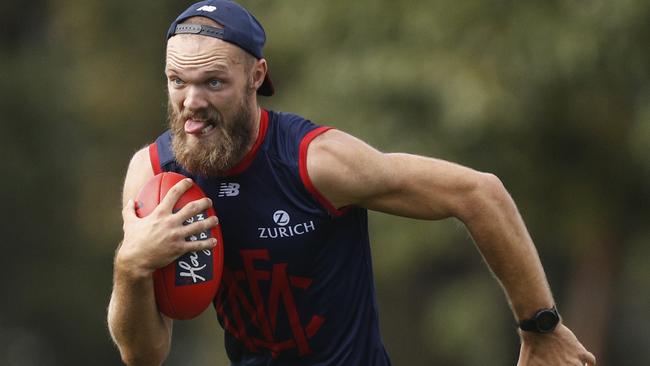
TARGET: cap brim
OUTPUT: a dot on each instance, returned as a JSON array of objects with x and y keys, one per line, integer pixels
[{"x": 266, "y": 89}]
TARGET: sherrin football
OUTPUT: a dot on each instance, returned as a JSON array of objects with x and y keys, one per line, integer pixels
[{"x": 185, "y": 287}]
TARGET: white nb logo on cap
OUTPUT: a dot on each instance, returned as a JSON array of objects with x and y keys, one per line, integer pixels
[{"x": 208, "y": 8}]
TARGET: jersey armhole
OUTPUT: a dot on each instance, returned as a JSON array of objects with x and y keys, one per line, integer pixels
[
  {"x": 304, "y": 175},
  {"x": 154, "y": 158}
]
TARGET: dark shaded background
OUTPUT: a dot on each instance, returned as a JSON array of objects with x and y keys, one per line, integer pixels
[{"x": 552, "y": 96}]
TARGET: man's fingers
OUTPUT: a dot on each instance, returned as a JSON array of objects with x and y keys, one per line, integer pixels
[
  {"x": 193, "y": 208},
  {"x": 174, "y": 194},
  {"x": 589, "y": 359},
  {"x": 195, "y": 246},
  {"x": 197, "y": 227}
]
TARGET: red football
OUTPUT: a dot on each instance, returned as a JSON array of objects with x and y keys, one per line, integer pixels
[{"x": 187, "y": 286}]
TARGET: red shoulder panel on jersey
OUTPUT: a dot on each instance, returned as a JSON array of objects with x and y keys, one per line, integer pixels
[
  {"x": 155, "y": 160},
  {"x": 304, "y": 175}
]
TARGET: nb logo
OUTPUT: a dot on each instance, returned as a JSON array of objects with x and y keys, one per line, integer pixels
[
  {"x": 229, "y": 190},
  {"x": 281, "y": 217},
  {"x": 208, "y": 8}
]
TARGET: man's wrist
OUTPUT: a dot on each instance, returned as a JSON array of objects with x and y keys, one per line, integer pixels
[
  {"x": 126, "y": 268},
  {"x": 545, "y": 320}
]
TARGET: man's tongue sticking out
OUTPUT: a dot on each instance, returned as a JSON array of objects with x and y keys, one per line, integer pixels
[{"x": 195, "y": 127}]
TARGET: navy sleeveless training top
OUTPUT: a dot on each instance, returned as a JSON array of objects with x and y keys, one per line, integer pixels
[{"x": 297, "y": 287}]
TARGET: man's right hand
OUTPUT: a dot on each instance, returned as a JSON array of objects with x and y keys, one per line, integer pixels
[{"x": 156, "y": 240}]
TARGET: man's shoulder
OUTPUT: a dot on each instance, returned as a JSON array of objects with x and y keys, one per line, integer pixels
[
  {"x": 289, "y": 127},
  {"x": 286, "y": 118},
  {"x": 138, "y": 172}
]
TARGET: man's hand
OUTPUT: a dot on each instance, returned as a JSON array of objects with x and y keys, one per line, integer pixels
[
  {"x": 558, "y": 348},
  {"x": 156, "y": 240}
]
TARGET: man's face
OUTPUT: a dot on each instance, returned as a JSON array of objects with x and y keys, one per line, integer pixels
[{"x": 210, "y": 109}]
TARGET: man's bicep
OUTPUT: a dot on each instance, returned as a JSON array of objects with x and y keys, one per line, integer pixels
[
  {"x": 137, "y": 174},
  {"x": 427, "y": 188},
  {"x": 344, "y": 169},
  {"x": 347, "y": 171}
]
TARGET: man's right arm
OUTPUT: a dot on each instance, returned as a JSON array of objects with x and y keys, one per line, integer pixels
[{"x": 141, "y": 332}]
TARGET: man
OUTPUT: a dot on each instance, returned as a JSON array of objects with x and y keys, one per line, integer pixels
[{"x": 292, "y": 196}]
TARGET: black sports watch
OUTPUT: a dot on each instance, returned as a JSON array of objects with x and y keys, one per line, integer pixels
[{"x": 544, "y": 321}]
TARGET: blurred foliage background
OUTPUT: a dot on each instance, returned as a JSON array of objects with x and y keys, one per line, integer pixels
[{"x": 552, "y": 96}]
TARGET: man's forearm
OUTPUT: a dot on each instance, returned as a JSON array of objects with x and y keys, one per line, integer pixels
[
  {"x": 502, "y": 238},
  {"x": 138, "y": 329}
]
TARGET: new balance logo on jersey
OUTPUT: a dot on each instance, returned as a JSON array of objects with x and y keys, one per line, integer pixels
[
  {"x": 229, "y": 190},
  {"x": 284, "y": 229},
  {"x": 208, "y": 8}
]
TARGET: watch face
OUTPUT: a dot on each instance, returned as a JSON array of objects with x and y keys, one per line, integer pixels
[{"x": 546, "y": 321}]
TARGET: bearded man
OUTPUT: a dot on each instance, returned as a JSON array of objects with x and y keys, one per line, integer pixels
[{"x": 293, "y": 196}]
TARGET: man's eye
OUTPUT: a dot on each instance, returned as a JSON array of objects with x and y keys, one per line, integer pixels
[
  {"x": 214, "y": 83},
  {"x": 177, "y": 82}
]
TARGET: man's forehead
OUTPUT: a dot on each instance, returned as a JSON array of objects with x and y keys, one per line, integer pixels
[{"x": 193, "y": 48}]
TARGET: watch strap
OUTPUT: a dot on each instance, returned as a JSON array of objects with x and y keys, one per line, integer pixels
[{"x": 540, "y": 322}]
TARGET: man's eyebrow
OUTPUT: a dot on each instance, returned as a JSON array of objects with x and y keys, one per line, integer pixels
[
  {"x": 212, "y": 70},
  {"x": 218, "y": 70}
]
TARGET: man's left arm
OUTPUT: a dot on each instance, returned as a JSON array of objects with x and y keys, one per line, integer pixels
[{"x": 349, "y": 172}]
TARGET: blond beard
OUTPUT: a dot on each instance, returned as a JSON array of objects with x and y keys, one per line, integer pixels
[{"x": 213, "y": 156}]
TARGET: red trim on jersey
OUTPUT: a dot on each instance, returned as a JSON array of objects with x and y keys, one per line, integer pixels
[
  {"x": 304, "y": 175},
  {"x": 248, "y": 159},
  {"x": 154, "y": 158}
]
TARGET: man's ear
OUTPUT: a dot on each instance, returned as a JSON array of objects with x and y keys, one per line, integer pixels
[{"x": 258, "y": 73}]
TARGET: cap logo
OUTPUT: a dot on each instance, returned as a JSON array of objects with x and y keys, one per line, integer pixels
[{"x": 208, "y": 8}]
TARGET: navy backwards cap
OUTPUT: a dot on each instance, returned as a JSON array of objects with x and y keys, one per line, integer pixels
[{"x": 239, "y": 28}]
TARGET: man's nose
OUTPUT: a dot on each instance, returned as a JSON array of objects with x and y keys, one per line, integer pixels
[{"x": 195, "y": 98}]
